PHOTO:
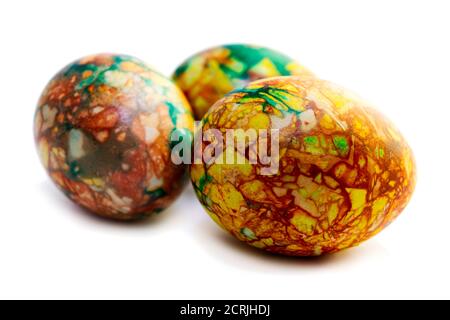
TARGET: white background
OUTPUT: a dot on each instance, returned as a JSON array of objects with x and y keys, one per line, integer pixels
[{"x": 393, "y": 53}]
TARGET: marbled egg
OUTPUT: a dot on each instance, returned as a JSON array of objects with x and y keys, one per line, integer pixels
[
  {"x": 103, "y": 126},
  {"x": 340, "y": 171},
  {"x": 209, "y": 75}
]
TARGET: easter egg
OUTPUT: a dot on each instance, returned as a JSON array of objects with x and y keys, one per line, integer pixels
[
  {"x": 102, "y": 128},
  {"x": 209, "y": 75},
  {"x": 300, "y": 167}
]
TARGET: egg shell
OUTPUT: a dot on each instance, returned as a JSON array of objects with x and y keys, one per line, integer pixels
[
  {"x": 344, "y": 171},
  {"x": 102, "y": 129}
]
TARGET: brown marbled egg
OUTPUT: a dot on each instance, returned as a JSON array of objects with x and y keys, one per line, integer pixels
[{"x": 103, "y": 126}]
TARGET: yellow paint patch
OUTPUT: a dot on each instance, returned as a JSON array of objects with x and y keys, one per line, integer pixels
[
  {"x": 333, "y": 212},
  {"x": 226, "y": 196},
  {"x": 327, "y": 122},
  {"x": 379, "y": 205},
  {"x": 233, "y": 198},
  {"x": 358, "y": 200},
  {"x": 260, "y": 121},
  {"x": 265, "y": 67},
  {"x": 192, "y": 74},
  {"x": 215, "y": 171},
  {"x": 217, "y": 78},
  {"x": 254, "y": 190},
  {"x": 357, "y": 197},
  {"x": 361, "y": 224},
  {"x": 340, "y": 170},
  {"x": 305, "y": 203},
  {"x": 235, "y": 65},
  {"x": 304, "y": 223},
  {"x": 263, "y": 243}
]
